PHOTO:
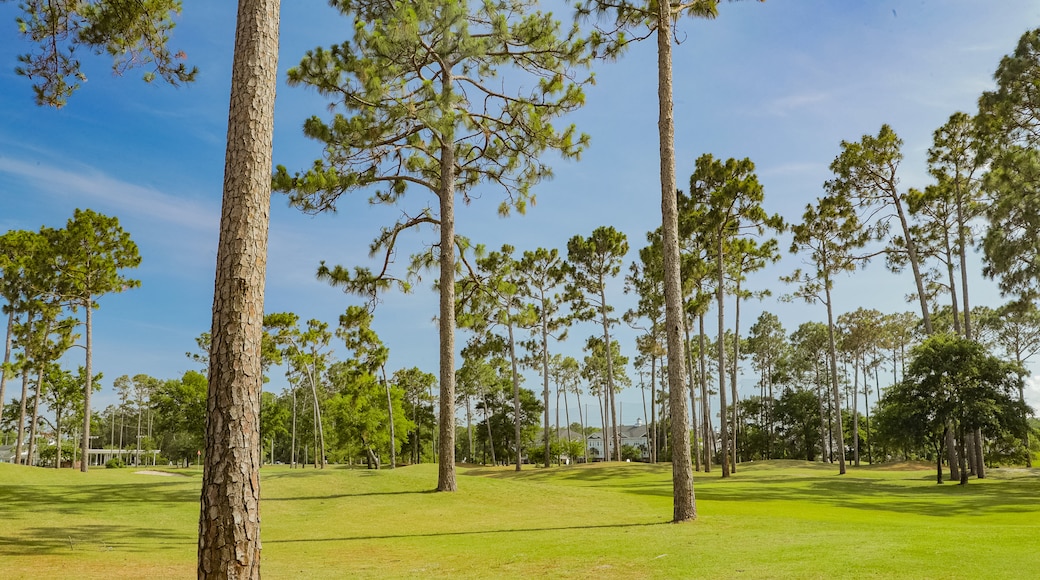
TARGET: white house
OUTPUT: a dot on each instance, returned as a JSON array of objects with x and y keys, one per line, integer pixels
[{"x": 633, "y": 435}]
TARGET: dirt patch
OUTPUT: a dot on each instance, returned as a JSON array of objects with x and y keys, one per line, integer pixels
[{"x": 163, "y": 473}]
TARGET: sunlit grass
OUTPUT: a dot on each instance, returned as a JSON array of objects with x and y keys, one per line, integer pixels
[{"x": 771, "y": 520}]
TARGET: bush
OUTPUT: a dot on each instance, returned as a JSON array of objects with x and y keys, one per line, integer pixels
[{"x": 114, "y": 463}]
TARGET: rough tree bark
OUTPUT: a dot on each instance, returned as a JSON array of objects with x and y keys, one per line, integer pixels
[
  {"x": 684, "y": 507},
  {"x": 229, "y": 521}
]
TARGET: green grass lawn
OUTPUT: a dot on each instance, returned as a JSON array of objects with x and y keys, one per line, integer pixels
[{"x": 770, "y": 520}]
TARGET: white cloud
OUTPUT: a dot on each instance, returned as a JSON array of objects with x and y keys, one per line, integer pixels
[
  {"x": 89, "y": 183},
  {"x": 791, "y": 103}
]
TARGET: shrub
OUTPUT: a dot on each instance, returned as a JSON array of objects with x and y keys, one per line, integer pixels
[{"x": 114, "y": 463}]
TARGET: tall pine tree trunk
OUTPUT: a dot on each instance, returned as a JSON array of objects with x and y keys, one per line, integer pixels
[
  {"x": 545, "y": 388},
  {"x": 516, "y": 395},
  {"x": 615, "y": 431},
  {"x": 709, "y": 438},
  {"x": 390, "y": 416},
  {"x": 736, "y": 366},
  {"x": 229, "y": 521},
  {"x": 693, "y": 394},
  {"x": 7, "y": 360},
  {"x": 446, "y": 427},
  {"x": 980, "y": 459},
  {"x": 684, "y": 506},
  {"x": 834, "y": 380},
  {"x": 721, "y": 343},
  {"x": 88, "y": 387}
]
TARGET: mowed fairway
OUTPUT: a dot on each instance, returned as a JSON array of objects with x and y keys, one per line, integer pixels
[{"x": 771, "y": 520}]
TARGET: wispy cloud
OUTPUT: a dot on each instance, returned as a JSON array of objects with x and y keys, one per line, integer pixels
[
  {"x": 791, "y": 103},
  {"x": 89, "y": 183}
]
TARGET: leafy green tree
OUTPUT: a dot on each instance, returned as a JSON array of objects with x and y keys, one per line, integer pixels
[
  {"x": 17, "y": 250},
  {"x": 865, "y": 171},
  {"x": 603, "y": 370},
  {"x": 594, "y": 260},
  {"x": 494, "y": 297},
  {"x": 727, "y": 197},
  {"x": 860, "y": 331},
  {"x": 417, "y": 386},
  {"x": 657, "y": 18},
  {"x": 646, "y": 279},
  {"x": 274, "y": 419},
  {"x": 831, "y": 233},
  {"x": 798, "y": 414},
  {"x": 767, "y": 344},
  {"x": 358, "y": 409},
  {"x": 308, "y": 354},
  {"x": 180, "y": 415},
  {"x": 957, "y": 160},
  {"x": 420, "y": 102},
  {"x": 91, "y": 253},
  {"x": 954, "y": 381},
  {"x": 355, "y": 328},
  {"x": 566, "y": 373},
  {"x": 61, "y": 392},
  {"x": 134, "y": 34},
  {"x": 544, "y": 273}
]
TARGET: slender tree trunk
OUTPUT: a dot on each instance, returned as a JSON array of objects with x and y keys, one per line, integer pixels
[
  {"x": 516, "y": 394},
  {"x": 20, "y": 441},
  {"x": 88, "y": 388},
  {"x": 418, "y": 428},
  {"x": 866, "y": 410},
  {"x": 683, "y": 502},
  {"x": 736, "y": 367},
  {"x": 855, "y": 411},
  {"x": 915, "y": 263},
  {"x": 469, "y": 429},
  {"x": 7, "y": 360},
  {"x": 653, "y": 409},
  {"x": 292, "y": 461},
  {"x": 980, "y": 460},
  {"x": 962, "y": 454},
  {"x": 953, "y": 291},
  {"x": 705, "y": 403},
  {"x": 824, "y": 432},
  {"x": 693, "y": 394},
  {"x": 138, "y": 460},
  {"x": 567, "y": 416},
  {"x": 33, "y": 425},
  {"x": 446, "y": 428},
  {"x": 581, "y": 420},
  {"x": 834, "y": 380},
  {"x": 319, "y": 426},
  {"x": 390, "y": 417},
  {"x": 545, "y": 387},
  {"x": 969, "y": 450},
  {"x": 487, "y": 422},
  {"x": 57, "y": 440},
  {"x": 229, "y": 521},
  {"x": 951, "y": 452},
  {"x": 721, "y": 343},
  {"x": 962, "y": 253},
  {"x": 614, "y": 433}
]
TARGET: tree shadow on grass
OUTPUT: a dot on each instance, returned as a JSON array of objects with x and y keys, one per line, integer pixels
[
  {"x": 53, "y": 540},
  {"x": 469, "y": 533},
  {"x": 77, "y": 498},
  {"x": 896, "y": 496},
  {"x": 264, "y": 498}
]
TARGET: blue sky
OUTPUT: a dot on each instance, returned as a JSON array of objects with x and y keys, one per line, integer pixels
[{"x": 781, "y": 82}]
